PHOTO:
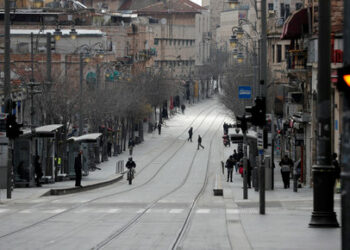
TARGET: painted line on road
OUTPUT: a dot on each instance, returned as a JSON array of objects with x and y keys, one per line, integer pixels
[
  {"x": 26, "y": 211},
  {"x": 203, "y": 211},
  {"x": 55, "y": 211},
  {"x": 176, "y": 211},
  {"x": 232, "y": 211},
  {"x": 2, "y": 210}
]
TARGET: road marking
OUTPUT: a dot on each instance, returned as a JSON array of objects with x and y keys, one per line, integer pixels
[
  {"x": 232, "y": 211},
  {"x": 55, "y": 211},
  {"x": 157, "y": 211},
  {"x": 176, "y": 211},
  {"x": 26, "y": 211},
  {"x": 203, "y": 211},
  {"x": 113, "y": 210},
  {"x": 140, "y": 211},
  {"x": 3, "y": 210}
]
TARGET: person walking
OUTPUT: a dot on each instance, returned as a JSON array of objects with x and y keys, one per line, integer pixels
[
  {"x": 38, "y": 170},
  {"x": 337, "y": 169},
  {"x": 78, "y": 168},
  {"x": 236, "y": 157},
  {"x": 159, "y": 128},
  {"x": 199, "y": 142},
  {"x": 229, "y": 165},
  {"x": 286, "y": 165},
  {"x": 183, "y": 107},
  {"x": 190, "y": 133},
  {"x": 249, "y": 174},
  {"x": 131, "y": 145}
]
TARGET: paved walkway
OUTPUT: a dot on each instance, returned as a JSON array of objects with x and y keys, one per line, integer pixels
[{"x": 285, "y": 223}]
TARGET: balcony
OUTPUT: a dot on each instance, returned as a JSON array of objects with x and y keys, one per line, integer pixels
[{"x": 296, "y": 60}]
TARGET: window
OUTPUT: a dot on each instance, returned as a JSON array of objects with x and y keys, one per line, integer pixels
[
  {"x": 287, "y": 8},
  {"x": 156, "y": 40},
  {"x": 170, "y": 42},
  {"x": 279, "y": 53},
  {"x": 186, "y": 42},
  {"x": 286, "y": 49},
  {"x": 298, "y": 6},
  {"x": 273, "y": 53},
  {"x": 270, "y": 6},
  {"x": 282, "y": 11}
]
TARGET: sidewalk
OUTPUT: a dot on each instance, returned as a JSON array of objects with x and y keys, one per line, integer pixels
[{"x": 285, "y": 223}]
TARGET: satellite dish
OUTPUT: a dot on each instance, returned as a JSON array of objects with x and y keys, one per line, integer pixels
[{"x": 163, "y": 21}]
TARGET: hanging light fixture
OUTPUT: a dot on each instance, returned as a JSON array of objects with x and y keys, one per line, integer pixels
[
  {"x": 73, "y": 34},
  {"x": 57, "y": 34},
  {"x": 233, "y": 4},
  {"x": 239, "y": 32},
  {"x": 240, "y": 57},
  {"x": 233, "y": 41},
  {"x": 235, "y": 53}
]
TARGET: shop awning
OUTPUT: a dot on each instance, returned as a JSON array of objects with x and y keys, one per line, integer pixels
[
  {"x": 295, "y": 25},
  {"x": 92, "y": 137},
  {"x": 47, "y": 130}
]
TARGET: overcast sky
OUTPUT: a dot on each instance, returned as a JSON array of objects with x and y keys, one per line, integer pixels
[{"x": 197, "y": 2}]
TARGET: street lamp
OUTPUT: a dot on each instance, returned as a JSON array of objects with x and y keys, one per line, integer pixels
[
  {"x": 240, "y": 57},
  {"x": 233, "y": 4},
  {"x": 233, "y": 41},
  {"x": 239, "y": 32},
  {"x": 73, "y": 34},
  {"x": 57, "y": 34}
]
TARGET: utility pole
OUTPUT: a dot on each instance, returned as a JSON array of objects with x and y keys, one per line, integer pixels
[
  {"x": 7, "y": 92},
  {"x": 48, "y": 57},
  {"x": 81, "y": 69},
  {"x": 345, "y": 142},
  {"x": 263, "y": 74},
  {"x": 323, "y": 214}
]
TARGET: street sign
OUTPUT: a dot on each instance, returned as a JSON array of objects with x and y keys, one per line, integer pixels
[{"x": 244, "y": 92}]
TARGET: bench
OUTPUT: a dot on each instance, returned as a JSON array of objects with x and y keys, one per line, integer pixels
[{"x": 218, "y": 186}]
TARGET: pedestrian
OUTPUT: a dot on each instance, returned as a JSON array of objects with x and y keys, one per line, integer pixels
[
  {"x": 109, "y": 148},
  {"x": 159, "y": 128},
  {"x": 190, "y": 133},
  {"x": 236, "y": 157},
  {"x": 131, "y": 145},
  {"x": 38, "y": 170},
  {"x": 229, "y": 165},
  {"x": 130, "y": 165},
  {"x": 199, "y": 142},
  {"x": 249, "y": 174},
  {"x": 78, "y": 168},
  {"x": 337, "y": 171},
  {"x": 183, "y": 107},
  {"x": 286, "y": 165},
  {"x": 225, "y": 126}
]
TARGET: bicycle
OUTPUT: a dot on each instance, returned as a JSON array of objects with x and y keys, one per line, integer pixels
[{"x": 131, "y": 175}]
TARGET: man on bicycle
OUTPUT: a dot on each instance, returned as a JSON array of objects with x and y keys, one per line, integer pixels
[{"x": 130, "y": 165}]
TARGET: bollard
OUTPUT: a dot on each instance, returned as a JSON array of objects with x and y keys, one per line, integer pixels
[{"x": 295, "y": 180}]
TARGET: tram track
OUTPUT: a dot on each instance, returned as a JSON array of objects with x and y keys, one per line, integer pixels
[
  {"x": 135, "y": 219},
  {"x": 123, "y": 191}
]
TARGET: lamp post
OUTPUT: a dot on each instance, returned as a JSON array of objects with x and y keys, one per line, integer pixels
[{"x": 323, "y": 214}]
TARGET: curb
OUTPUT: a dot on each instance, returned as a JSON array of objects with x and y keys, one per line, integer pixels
[{"x": 72, "y": 190}]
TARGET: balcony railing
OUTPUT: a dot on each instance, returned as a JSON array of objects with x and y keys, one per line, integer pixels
[{"x": 296, "y": 59}]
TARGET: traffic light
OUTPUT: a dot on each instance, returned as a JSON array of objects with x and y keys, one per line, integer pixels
[
  {"x": 12, "y": 127},
  {"x": 343, "y": 83},
  {"x": 260, "y": 112},
  {"x": 242, "y": 122}
]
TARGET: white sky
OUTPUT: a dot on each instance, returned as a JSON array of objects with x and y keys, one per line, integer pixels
[{"x": 199, "y": 2}]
